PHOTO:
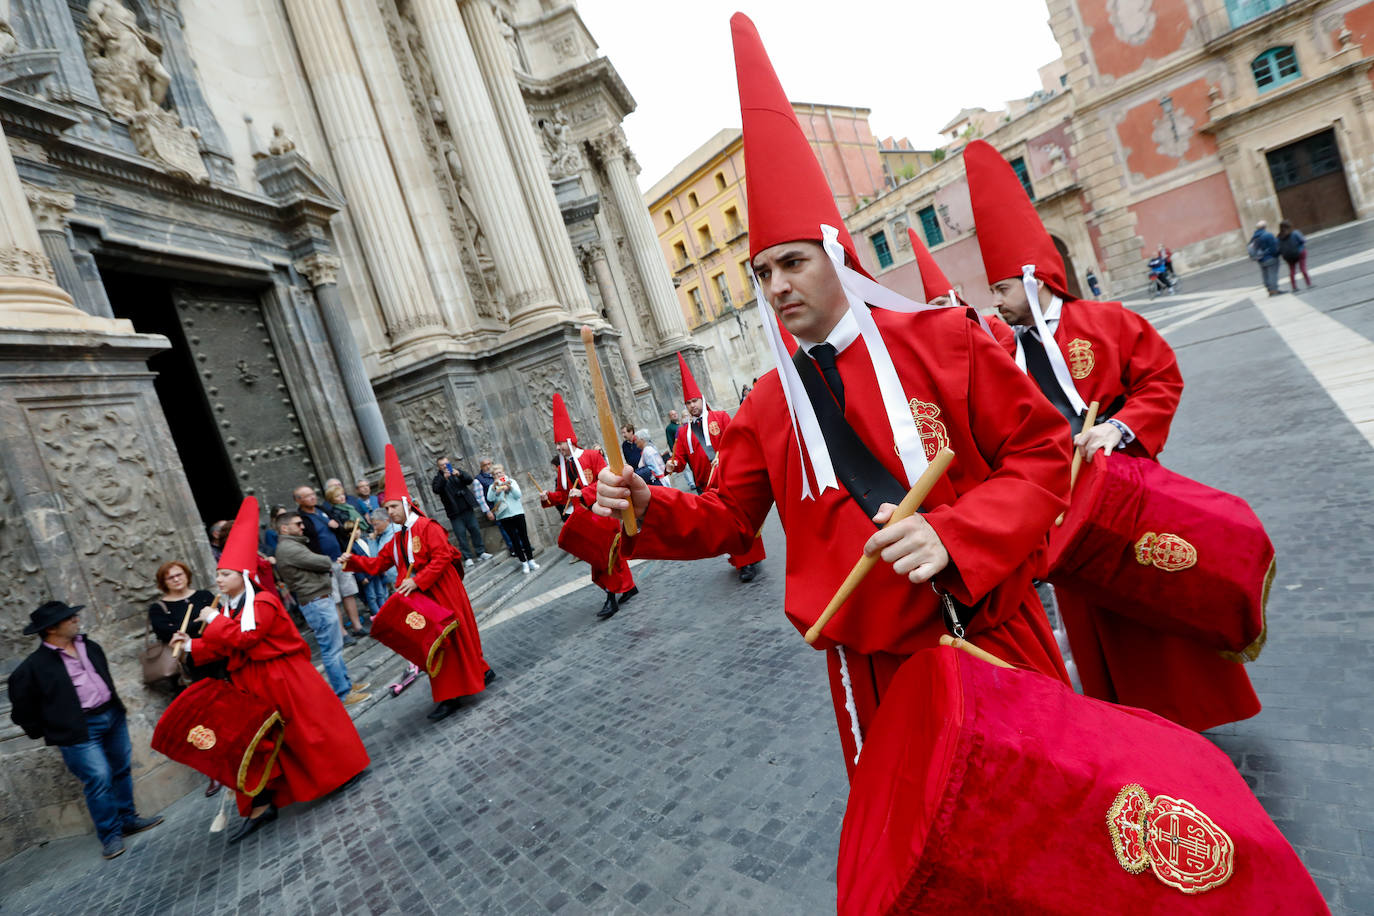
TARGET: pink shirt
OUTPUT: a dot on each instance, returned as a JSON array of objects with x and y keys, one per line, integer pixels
[{"x": 91, "y": 689}]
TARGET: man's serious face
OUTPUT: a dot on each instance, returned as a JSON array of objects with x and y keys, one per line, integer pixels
[
  {"x": 694, "y": 407},
  {"x": 803, "y": 288},
  {"x": 1009, "y": 296}
]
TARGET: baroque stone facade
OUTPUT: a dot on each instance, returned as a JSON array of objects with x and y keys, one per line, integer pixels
[{"x": 443, "y": 199}]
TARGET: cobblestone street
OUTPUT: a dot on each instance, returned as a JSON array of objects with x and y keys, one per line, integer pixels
[{"x": 682, "y": 756}]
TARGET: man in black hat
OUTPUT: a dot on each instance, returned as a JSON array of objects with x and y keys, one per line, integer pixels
[{"x": 63, "y": 693}]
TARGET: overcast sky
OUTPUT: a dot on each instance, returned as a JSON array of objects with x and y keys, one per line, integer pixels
[{"x": 915, "y": 63}]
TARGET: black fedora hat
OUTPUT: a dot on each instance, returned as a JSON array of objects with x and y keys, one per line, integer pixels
[{"x": 50, "y": 614}]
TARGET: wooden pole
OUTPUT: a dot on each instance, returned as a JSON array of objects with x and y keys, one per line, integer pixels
[
  {"x": 186, "y": 622},
  {"x": 353, "y": 537},
  {"x": 609, "y": 435},
  {"x": 971, "y": 649},
  {"x": 1089, "y": 421},
  {"x": 908, "y": 506}
]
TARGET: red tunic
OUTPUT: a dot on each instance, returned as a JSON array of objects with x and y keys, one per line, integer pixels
[
  {"x": 434, "y": 575},
  {"x": 618, "y": 579},
  {"x": 991, "y": 510},
  {"x": 321, "y": 749},
  {"x": 717, "y": 421},
  {"x": 1118, "y": 359}
]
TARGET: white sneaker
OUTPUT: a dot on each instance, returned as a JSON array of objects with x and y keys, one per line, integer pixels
[
  {"x": 467, "y": 562},
  {"x": 533, "y": 565},
  {"x": 484, "y": 556},
  {"x": 525, "y": 566}
]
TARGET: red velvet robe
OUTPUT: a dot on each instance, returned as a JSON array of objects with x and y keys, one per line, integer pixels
[
  {"x": 991, "y": 510},
  {"x": 717, "y": 422},
  {"x": 321, "y": 749},
  {"x": 1120, "y": 355},
  {"x": 464, "y": 672},
  {"x": 618, "y": 579}
]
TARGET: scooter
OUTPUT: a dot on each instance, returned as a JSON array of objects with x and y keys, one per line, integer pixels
[
  {"x": 411, "y": 673},
  {"x": 1161, "y": 281}
]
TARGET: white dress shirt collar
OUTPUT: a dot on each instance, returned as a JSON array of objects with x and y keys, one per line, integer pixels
[{"x": 844, "y": 333}]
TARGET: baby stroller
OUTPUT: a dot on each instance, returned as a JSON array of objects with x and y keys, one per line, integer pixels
[{"x": 1161, "y": 278}]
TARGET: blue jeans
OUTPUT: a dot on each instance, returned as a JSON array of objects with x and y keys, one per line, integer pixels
[
  {"x": 466, "y": 529},
  {"x": 375, "y": 594},
  {"x": 324, "y": 620},
  {"x": 102, "y": 763}
]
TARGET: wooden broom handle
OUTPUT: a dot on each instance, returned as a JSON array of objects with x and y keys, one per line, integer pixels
[
  {"x": 609, "y": 435},
  {"x": 186, "y": 622},
  {"x": 908, "y": 506},
  {"x": 1089, "y": 421}
]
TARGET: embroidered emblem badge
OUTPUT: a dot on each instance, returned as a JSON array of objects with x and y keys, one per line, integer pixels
[
  {"x": 1166, "y": 551},
  {"x": 1081, "y": 359},
  {"x": 714, "y": 428},
  {"x": 415, "y": 620},
  {"x": 931, "y": 429},
  {"x": 415, "y": 543},
  {"x": 202, "y": 738},
  {"x": 1182, "y": 846}
]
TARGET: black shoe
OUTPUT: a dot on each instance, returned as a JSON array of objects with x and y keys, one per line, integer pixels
[
  {"x": 609, "y": 608},
  {"x": 748, "y": 573},
  {"x": 634, "y": 590},
  {"x": 251, "y": 825},
  {"x": 140, "y": 824},
  {"x": 489, "y": 677},
  {"x": 443, "y": 710}
]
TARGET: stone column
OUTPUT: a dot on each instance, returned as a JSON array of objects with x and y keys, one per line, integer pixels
[
  {"x": 612, "y": 149},
  {"x": 322, "y": 270},
  {"x": 496, "y": 195},
  {"x": 493, "y": 58},
  {"x": 595, "y": 257},
  {"x": 375, "y": 202},
  {"x": 29, "y": 295},
  {"x": 50, "y": 209}
]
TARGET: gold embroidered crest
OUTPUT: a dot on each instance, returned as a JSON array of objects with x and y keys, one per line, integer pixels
[
  {"x": 932, "y": 430},
  {"x": 1165, "y": 551},
  {"x": 1081, "y": 359},
  {"x": 415, "y": 620},
  {"x": 713, "y": 428},
  {"x": 202, "y": 737},
  {"x": 1182, "y": 846},
  {"x": 415, "y": 543}
]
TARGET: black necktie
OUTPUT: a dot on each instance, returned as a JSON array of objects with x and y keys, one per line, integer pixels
[
  {"x": 824, "y": 355},
  {"x": 1039, "y": 368},
  {"x": 701, "y": 439}
]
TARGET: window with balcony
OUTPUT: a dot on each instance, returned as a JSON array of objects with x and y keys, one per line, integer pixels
[
  {"x": 698, "y": 306},
  {"x": 723, "y": 291},
  {"x": 692, "y": 200},
  {"x": 679, "y": 255},
  {"x": 733, "y": 227},
  {"x": 930, "y": 226},
  {"x": 720, "y": 181},
  {"x": 1243, "y": 11},
  {"x": 879, "y": 240},
  {"x": 704, "y": 240},
  {"x": 1018, "y": 165},
  {"x": 1275, "y": 67}
]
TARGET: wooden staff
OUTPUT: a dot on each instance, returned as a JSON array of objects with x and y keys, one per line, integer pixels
[
  {"x": 608, "y": 430},
  {"x": 353, "y": 537},
  {"x": 973, "y": 650},
  {"x": 186, "y": 622},
  {"x": 910, "y": 503},
  {"x": 1089, "y": 421}
]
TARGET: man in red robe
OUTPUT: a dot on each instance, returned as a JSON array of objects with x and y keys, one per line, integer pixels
[
  {"x": 574, "y": 492},
  {"x": 1077, "y": 352},
  {"x": 695, "y": 448},
  {"x": 954, "y": 388},
  {"x": 266, "y": 656},
  {"x": 423, "y": 559}
]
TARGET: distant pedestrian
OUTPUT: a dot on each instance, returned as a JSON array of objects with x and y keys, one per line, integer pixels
[
  {"x": 363, "y": 499},
  {"x": 327, "y": 530},
  {"x": 63, "y": 693},
  {"x": 670, "y": 431},
  {"x": 1264, "y": 248},
  {"x": 651, "y": 465},
  {"x": 1093, "y": 284},
  {"x": 455, "y": 489},
  {"x": 504, "y": 498},
  {"x": 1293, "y": 249},
  {"x": 485, "y": 478},
  {"x": 628, "y": 449},
  {"x": 379, "y": 587}
]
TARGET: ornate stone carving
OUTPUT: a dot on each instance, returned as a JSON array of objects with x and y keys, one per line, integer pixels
[
  {"x": 8, "y": 43},
  {"x": 1173, "y": 134},
  {"x": 543, "y": 379},
  {"x": 50, "y": 208},
  {"x": 280, "y": 144},
  {"x": 115, "y": 511},
  {"x": 431, "y": 425},
  {"x": 562, "y": 154},
  {"x": 1132, "y": 20},
  {"x": 21, "y": 586},
  {"x": 132, "y": 83},
  {"x": 319, "y": 268},
  {"x": 21, "y": 262},
  {"x": 478, "y": 429},
  {"x": 611, "y": 144}
]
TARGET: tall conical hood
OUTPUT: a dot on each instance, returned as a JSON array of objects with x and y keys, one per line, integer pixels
[
  {"x": 562, "y": 423},
  {"x": 241, "y": 546},
  {"x": 690, "y": 391},
  {"x": 933, "y": 280},
  {"x": 788, "y": 195},
  {"x": 394, "y": 484},
  {"x": 1010, "y": 233}
]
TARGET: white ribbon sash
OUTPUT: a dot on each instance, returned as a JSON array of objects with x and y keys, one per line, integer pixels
[{"x": 1052, "y": 351}]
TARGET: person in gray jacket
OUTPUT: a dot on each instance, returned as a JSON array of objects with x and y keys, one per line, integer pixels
[{"x": 307, "y": 575}]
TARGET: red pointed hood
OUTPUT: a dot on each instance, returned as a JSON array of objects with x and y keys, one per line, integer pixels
[
  {"x": 690, "y": 391},
  {"x": 933, "y": 280},
  {"x": 394, "y": 484},
  {"x": 788, "y": 195},
  {"x": 1010, "y": 233},
  {"x": 241, "y": 546},
  {"x": 562, "y": 423}
]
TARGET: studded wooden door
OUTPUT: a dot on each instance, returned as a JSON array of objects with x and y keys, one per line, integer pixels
[{"x": 237, "y": 362}]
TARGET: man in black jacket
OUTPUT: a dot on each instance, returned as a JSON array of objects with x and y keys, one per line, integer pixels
[
  {"x": 453, "y": 486},
  {"x": 63, "y": 693}
]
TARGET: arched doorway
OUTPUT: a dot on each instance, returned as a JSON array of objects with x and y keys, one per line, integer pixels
[{"x": 1070, "y": 272}]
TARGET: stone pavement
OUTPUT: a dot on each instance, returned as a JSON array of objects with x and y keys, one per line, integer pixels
[{"x": 682, "y": 756}]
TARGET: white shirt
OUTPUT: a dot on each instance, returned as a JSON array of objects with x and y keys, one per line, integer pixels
[{"x": 844, "y": 333}]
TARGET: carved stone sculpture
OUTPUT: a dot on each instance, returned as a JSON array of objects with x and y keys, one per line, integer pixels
[
  {"x": 8, "y": 43},
  {"x": 280, "y": 144},
  {"x": 562, "y": 156}
]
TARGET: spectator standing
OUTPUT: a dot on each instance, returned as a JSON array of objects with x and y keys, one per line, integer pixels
[
  {"x": 1293, "y": 250},
  {"x": 379, "y": 587},
  {"x": 218, "y": 532},
  {"x": 309, "y": 577},
  {"x": 1264, "y": 248},
  {"x": 454, "y": 487},
  {"x": 670, "y": 431},
  {"x": 1093, "y": 284},
  {"x": 363, "y": 499},
  {"x": 628, "y": 449},
  {"x": 63, "y": 693},
  {"x": 504, "y": 498},
  {"x": 326, "y": 530},
  {"x": 651, "y": 466},
  {"x": 485, "y": 479},
  {"x": 166, "y": 614}
]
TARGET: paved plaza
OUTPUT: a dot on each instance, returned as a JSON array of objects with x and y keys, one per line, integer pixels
[{"x": 682, "y": 756}]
